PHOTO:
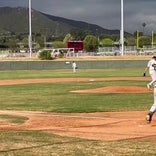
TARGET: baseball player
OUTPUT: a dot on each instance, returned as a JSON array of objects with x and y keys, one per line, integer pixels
[
  {"x": 151, "y": 66},
  {"x": 153, "y": 108},
  {"x": 74, "y": 66}
]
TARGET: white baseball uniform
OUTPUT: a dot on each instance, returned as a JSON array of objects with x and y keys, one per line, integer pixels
[
  {"x": 153, "y": 108},
  {"x": 152, "y": 70},
  {"x": 74, "y": 66},
  {"x": 151, "y": 66}
]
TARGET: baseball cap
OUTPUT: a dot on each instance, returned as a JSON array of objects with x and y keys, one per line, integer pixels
[{"x": 154, "y": 57}]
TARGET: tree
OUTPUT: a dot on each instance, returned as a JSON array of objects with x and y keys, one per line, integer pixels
[
  {"x": 131, "y": 41},
  {"x": 68, "y": 37},
  {"x": 25, "y": 42},
  {"x": 12, "y": 43},
  {"x": 37, "y": 46},
  {"x": 90, "y": 43},
  {"x": 144, "y": 40},
  {"x": 59, "y": 44},
  {"x": 79, "y": 34},
  {"x": 107, "y": 42},
  {"x": 115, "y": 38},
  {"x": 136, "y": 33},
  {"x": 39, "y": 39}
]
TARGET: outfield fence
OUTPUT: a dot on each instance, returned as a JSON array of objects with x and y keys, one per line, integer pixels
[
  {"x": 6, "y": 54},
  {"x": 51, "y": 65}
]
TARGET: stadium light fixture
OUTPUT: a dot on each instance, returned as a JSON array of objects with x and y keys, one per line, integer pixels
[
  {"x": 122, "y": 30},
  {"x": 30, "y": 31}
]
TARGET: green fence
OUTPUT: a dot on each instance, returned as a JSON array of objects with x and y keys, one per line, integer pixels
[{"x": 48, "y": 65}]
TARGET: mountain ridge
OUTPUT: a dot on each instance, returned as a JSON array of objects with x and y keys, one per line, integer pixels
[{"x": 15, "y": 21}]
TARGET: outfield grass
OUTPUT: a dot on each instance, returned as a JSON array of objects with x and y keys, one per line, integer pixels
[
  {"x": 25, "y": 74},
  {"x": 58, "y": 98}
]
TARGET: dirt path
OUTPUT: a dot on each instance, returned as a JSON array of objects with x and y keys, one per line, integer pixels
[
  {"x": 98, "y": 126},
  {"x": 58, "y": 80}
]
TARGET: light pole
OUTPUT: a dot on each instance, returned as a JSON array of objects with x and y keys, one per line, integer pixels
[
  {"x": 30, "y": 31},
  {"x": 122, "y": 30},
  {"x": 137, "y": 40},
  {"x": 152, "y": 39},
  {"x": 97, "y": 33}
]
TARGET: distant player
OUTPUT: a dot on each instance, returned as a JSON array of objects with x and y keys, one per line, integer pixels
[
  {"x": 74, "y": 66},
  {"x": 151, "y": 67}
]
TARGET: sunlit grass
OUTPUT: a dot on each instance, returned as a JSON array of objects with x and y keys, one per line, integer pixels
[
  {"x": 13, "y": 119},
  {"x": 25, "y": 74},
  {"x": 34, "y": 143},
  {"x": 58, "y": 98}
]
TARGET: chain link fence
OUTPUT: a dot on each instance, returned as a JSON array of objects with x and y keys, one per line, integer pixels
[{"x": 102, "y": 51}]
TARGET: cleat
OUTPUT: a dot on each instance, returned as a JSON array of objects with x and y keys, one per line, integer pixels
[
  {"x": 149, "y": 118},
  {"x": 148, "y": 86}
]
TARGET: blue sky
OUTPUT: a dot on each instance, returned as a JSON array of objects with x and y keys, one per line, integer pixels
[{"x": 105, "y": 13}]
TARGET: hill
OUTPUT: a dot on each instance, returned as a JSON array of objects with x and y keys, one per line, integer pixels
[{"x": 15, "y": 21}]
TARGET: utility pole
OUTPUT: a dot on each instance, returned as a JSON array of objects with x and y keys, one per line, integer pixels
[{"x": 30, "y": 31}]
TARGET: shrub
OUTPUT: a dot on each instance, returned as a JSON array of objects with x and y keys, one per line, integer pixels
[
  {"x": 61, "y": 55},
  {"x": 45, "y": 55}
]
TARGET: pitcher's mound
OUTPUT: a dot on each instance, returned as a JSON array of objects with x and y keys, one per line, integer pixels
[{"x": 115, "y": 89}]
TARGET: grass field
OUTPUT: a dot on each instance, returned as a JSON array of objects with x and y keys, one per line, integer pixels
[
  {"x": 56, "y": 97},
  {"x": 68, "y": 73}
]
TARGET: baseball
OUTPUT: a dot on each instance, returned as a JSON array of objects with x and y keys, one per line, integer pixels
[{"x": 67, "y": 62}]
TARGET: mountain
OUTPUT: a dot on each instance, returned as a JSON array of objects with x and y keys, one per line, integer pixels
[
  {"x": 15, "y": 21},
  {"x": 82, "y": 25}
]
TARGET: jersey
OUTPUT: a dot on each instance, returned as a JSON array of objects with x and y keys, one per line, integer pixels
[
  {"x": 74, "y": 65},
  {"x": 151, "y": 65}
]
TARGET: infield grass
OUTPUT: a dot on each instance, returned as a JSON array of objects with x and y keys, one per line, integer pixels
[
  {"x": 13, "y": 119},
  {"x": 58, "y": 98},
  {"x": 35, "y": 143}
]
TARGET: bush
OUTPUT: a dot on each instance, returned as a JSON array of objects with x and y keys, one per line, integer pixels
[
  {"x": 61, "y": 55},
  {"x": 45, "y": 55}
]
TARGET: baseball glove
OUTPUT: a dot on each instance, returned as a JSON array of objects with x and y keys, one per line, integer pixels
[{"x": 144, "y": 74}]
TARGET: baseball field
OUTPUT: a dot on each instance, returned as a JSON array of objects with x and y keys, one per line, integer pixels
[{"x": 90, "y": 112}]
